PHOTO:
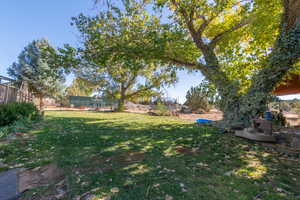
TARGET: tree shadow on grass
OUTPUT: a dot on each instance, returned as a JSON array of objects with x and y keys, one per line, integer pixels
[{"x": 130, "y": 156}]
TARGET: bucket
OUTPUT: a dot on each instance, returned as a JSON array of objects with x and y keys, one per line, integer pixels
[{"x": 268, "y": 116}]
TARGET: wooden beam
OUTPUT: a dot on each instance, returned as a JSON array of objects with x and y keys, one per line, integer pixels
[{"x": 288, "y": 87}]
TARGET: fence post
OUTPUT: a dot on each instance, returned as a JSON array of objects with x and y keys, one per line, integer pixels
[{"x": 6, "y": 95}]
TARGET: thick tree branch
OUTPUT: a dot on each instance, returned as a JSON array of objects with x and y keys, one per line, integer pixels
[
  {"x": 205, "y": 24},
  {"x": 188, "y": 19},
  {"x": 139, "y": 91},
  {"x": 108, "y": 91},
  {"x": 221, "y": 35},
  {"x": 291, "y": 13},
  {"x": 187, "y": 64},
  {"x": 131, "y": 81}
]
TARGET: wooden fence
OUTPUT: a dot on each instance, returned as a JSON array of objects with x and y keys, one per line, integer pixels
[{"x": 9, "y": 92}]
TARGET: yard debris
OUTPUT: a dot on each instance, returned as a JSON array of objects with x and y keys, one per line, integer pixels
[
  {"x": 87, "y": 195},
  {"x": 156, "y": 185},
  {"x": 183, "y": 188},
  {"x": 168, "y": 197},
  {"x": 202, "y": 164},
  {"x": 261, "y": 130},
  {"x": 229, "y": 173},
  {"x": 114, "y": 190},
  {"x": 185, "y": 150},
  {"x": 295, "y": 143}
]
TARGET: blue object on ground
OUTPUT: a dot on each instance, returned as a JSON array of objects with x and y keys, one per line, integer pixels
[
  {"x": 203, "y": 121},
  {"x": 268, "y": 116}
]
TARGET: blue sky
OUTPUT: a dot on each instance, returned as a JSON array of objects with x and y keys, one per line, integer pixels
[{"x": 23, "y": 21}]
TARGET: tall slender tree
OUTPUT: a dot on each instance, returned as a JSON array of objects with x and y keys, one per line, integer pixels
[{"x": 34, "y": 68}]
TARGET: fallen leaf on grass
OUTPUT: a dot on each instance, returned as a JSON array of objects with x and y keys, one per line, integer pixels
[
  {"x": 114, "y": 190},
  {"x": 168, "y": 197}
]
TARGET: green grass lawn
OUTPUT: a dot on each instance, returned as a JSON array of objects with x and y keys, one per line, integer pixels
[{"x": 136, "y": 157}]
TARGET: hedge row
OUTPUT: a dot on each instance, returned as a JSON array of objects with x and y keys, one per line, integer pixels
[{"x": 11, "y": 112}]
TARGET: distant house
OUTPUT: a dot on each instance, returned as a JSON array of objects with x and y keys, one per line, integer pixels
[{"x": 91, "y": 102}]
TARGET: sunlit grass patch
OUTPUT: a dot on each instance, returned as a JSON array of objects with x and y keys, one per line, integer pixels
[{"x": 134, "y": 156}]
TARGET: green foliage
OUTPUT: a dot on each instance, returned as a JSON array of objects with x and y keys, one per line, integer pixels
[
  {"x": 120, "y": 75},
  {"x": 296, "y": 106},
  {"x": 147, "y": 98},
  {"x": 17, "y": 126},
  {"x": 278, "y": 119},
  {"x": 4, "y": 131},
  {"x": 11, "y": 112},
  {"x": 80, "y": 87},
  {"x": 202, "y": 98},
  {"x": 244, "y": 48},
  {"x": 162, "y": 110},
  {"x": 281, "y": 105},
  {"x": 33, "y": 66}
]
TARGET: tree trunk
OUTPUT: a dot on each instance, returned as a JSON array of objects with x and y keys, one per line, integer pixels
[
  {"x": 121, "y": 101},
  {"x": 121, "y": 104},
  {"x": 241, "y": 109},
  {"x": 41, "y": 97}
]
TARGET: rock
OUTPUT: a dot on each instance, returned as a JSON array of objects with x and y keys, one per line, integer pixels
[
  {"x": 295, "y": 143},
  {"x": 28, "y": 179}
]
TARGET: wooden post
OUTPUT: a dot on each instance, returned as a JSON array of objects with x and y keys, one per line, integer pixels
[{"x": 6, "y": 95}]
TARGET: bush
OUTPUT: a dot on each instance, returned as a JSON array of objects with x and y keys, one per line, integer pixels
[
  {"x": 162, "y": 110},
  {"x": 202, "y": 98},
  {"x": 11, "y": 112},
  {"x": 17, "y": 126}
]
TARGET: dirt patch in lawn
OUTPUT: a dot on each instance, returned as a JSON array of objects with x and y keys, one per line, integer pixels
[{"x": 215, "y": 116}]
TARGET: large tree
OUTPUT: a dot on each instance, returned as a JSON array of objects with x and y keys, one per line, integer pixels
[
  {"x": 125, "y": 79},
  {"x": 244, "y": 47},
  {"x": 80, "y": 87},
  {"x": 33, "y": 66},
  {"x": 122, "y": 77}
]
